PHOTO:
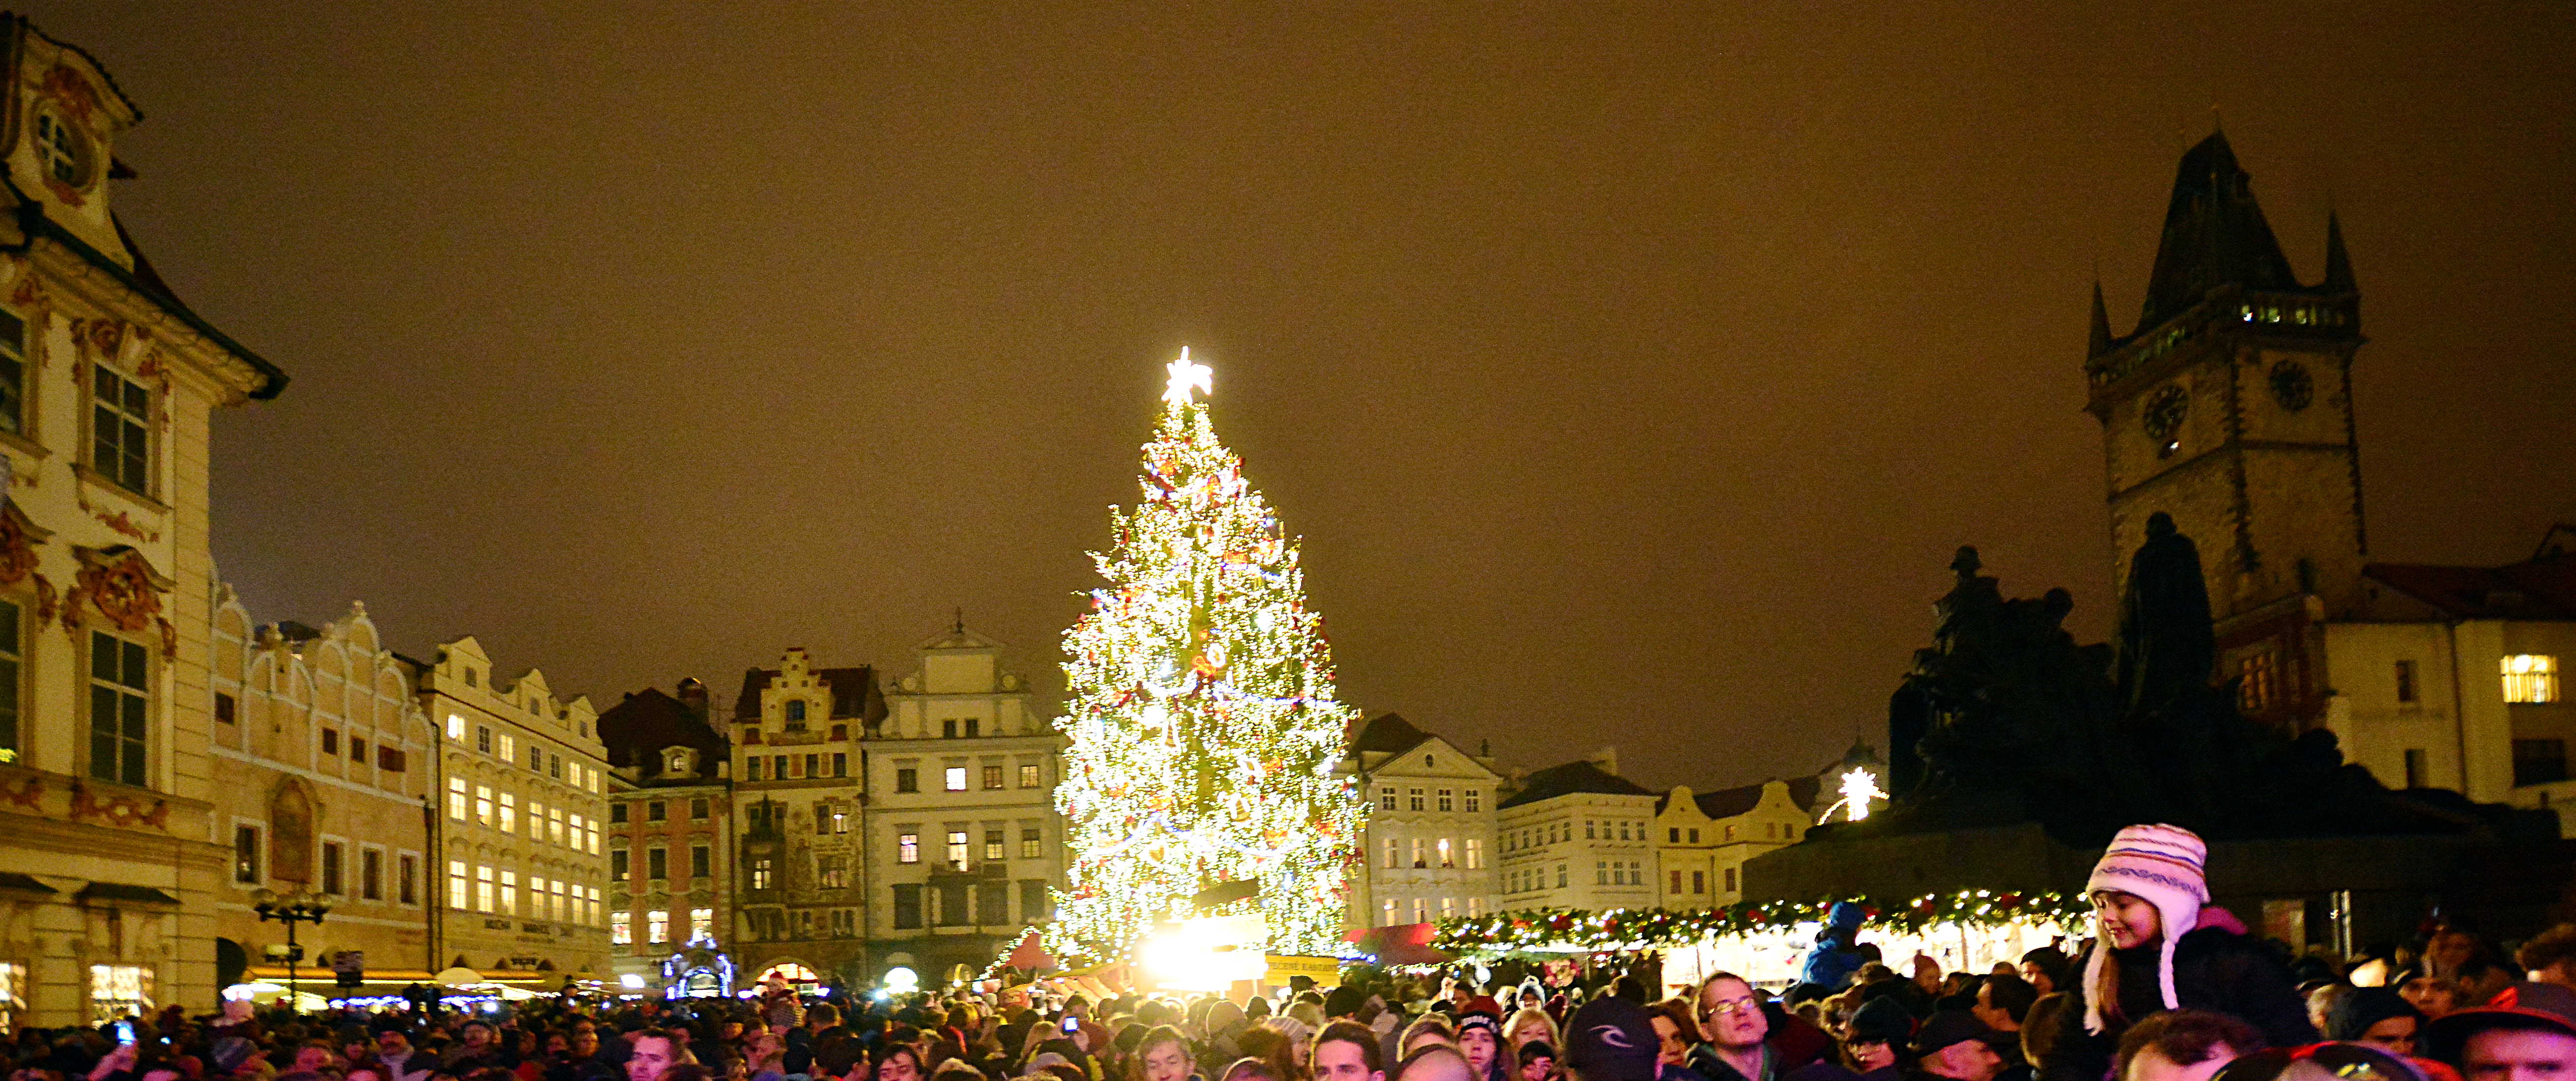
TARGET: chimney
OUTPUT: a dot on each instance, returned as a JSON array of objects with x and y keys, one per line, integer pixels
[
  {"x": 1607, "y": 758},
  {"x": 693, "y": 694}
]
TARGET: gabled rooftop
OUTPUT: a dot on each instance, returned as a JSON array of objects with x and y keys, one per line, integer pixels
[{"x": 855, "y": 694}]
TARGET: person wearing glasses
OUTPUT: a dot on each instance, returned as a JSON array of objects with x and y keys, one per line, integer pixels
[{"x": 1735, "y": 1029}]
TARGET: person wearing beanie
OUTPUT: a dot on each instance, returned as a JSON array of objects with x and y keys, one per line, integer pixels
[
  {"x": 2158, "y": 951},
  {"x": 2377, "y": 1016},
  {"x": 1480, "y": 1037},
  {"x": 1880, "y": 1031}
]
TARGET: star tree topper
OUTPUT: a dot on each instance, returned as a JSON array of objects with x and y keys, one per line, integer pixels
[{"x": 1186, "y": 374}]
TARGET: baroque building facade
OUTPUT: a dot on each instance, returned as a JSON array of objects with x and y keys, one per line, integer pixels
[
  {"x": 1429, "y": 845},
  {"x": 113, "y": 859},
  {"x": 797, "y": 791},
  {"x": 522, "y": 789},
  {"x": 322, "y": 761}
]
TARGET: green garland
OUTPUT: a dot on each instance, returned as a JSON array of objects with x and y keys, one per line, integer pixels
[{"x": 1652, "y": 928}]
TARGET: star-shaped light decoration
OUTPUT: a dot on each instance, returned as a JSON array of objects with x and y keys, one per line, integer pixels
[{"x": 1186, "y": 374}]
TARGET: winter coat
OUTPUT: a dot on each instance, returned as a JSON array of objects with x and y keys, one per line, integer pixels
[
  {"x": 2214, "y": 969},
  {"x": 1833, "y": 960}
]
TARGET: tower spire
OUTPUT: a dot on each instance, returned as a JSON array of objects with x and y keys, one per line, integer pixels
[
  {"x": 2338, "y": 261},
  {"x": 2101, "y": 324}
]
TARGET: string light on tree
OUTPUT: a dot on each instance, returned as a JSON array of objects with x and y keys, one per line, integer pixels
[{"x": 1201, "y": 713}]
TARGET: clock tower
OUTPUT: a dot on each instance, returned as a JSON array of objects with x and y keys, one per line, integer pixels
[{"x": 2229, "y": 407}]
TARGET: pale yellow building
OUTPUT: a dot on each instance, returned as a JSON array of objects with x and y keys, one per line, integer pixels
[
  {"x": 523, "y": 797},
  {"x": 322, "y": 762},
  {"x": 112, "y": 857},
  {"x": 1703, "y": 839}
]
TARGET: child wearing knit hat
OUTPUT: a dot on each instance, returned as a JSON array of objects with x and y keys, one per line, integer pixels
[{"x": 2160, "y": 947}]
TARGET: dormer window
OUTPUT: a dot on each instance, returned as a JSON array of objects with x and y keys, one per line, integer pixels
[
  {"x": 677, "y": 762},
  {"x": 68, "y": 158}
]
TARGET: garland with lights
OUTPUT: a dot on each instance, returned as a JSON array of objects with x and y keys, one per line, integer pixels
[
  {"x": 1655, "y": 928},
  {"x": 1199, "y": 702}
]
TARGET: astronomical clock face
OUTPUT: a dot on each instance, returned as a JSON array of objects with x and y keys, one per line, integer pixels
[
  {"x": 2164, "y": 412},
  {"x": 2291, "y": 385}
]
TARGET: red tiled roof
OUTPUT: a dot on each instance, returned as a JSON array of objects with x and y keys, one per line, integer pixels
[{"x": 2543, "y": 587}]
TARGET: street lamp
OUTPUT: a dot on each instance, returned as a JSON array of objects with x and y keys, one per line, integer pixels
[{"x": 290, "y": 912}]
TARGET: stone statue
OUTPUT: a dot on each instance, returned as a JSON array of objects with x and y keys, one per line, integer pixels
[{"x": 2166, "y": 648}]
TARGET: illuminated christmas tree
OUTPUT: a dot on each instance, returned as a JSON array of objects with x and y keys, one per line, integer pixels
[{"x": 1200, "y": 706}]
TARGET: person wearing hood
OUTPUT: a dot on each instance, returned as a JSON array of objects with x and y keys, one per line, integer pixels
[{"x": 1830, "y": 963}]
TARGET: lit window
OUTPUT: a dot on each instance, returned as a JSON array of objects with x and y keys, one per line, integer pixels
[
  {"x": 120, "y": 423},
  {"x": 1419, "y": 861},
  {"x": 456, "y": 885},
  {"x": 993, "y": 845},
  {"x": 483, "y": 804},
  {"x": 1475, "y": 854},
  {"x": 957, "y": 849},
  {"x": 760, "y": 874},
  {"x": 1388, "y": 908},
  {"x": 2255, "y": 690},
  {"x": 509, "y": 813},
  {"x": 1447, "y": 859},
  {"x": 702, "y": 922},
  {"x": 509, "y": 747},
  {"x": 1028, "y": 776},
  {"x": 119, "y": 991},
  {"x": 992, "y": 777},
  {"x": 483, "y": 888},
  {"x": 621, "y": 928},
  {"x": 956, "y": 778},
  {"x": 907, "y": 848},
  {"x": 555, "y": 825},
  {"x": 120, "y": 689},
  {"x": 1475, "y": 906},
  {"x": 1030, "y": 843},
  {"x": 657, "y": 927},
  {"x": 509, "y": 893},
  {"x": 2530, "y": 678}
]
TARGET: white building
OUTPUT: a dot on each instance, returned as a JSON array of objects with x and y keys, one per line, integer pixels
[
  {"x": 1579, "y": 836},
  {"x": 964, "y": 842},
  {"x": 1434, "y": 816},
  {"x": 2451, "y": 677},
  {"x": 522, "y": 802}
]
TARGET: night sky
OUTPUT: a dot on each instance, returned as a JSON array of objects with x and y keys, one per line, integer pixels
[{"x": 1630, "y": 374}]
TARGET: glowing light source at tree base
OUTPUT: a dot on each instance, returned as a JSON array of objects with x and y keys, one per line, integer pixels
[
  {"x": 902, "y": 981},
  {"x": 1200, "y": 713},
  {"x": 1204, "y": 955}
]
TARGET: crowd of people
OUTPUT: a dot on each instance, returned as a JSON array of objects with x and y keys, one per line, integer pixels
[{"x": 2169, "y": 989}]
